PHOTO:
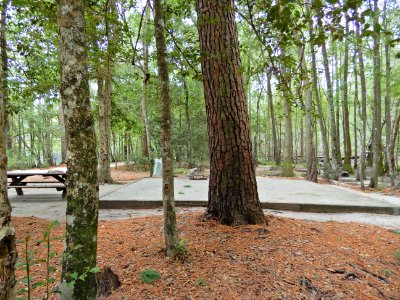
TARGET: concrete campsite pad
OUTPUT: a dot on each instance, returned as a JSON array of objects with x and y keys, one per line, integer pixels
[
  {"x": 280, "y": 194},
  {"x": 275, "y": 193}
]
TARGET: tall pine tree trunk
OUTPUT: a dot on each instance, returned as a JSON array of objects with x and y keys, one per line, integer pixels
[
  {"x": 82, "y": 187},
  {"x": 8, "y": 252},
  {"x": 170, "y": 227},
  {"x": 233, "y": 196}
]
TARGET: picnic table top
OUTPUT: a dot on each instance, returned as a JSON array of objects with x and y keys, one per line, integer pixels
[{"x": 35, "y": 172}]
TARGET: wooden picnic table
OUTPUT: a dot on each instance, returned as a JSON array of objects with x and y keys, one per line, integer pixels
[{"x": 17, "y": 180}]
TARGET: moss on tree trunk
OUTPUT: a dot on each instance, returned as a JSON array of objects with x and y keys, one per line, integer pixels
[{"x": 82, "y": 188}]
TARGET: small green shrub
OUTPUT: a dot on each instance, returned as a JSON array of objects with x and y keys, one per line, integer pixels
[
  {"x": 30, "y": 258},
  {"x": 187, "y": 186},
  {"x": 149, "y": 275},
  {"x": 395, "y": 231},
  {"x": 181, "y": 250}
]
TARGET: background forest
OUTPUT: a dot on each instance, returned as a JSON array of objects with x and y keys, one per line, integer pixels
[{"x": 320, "y": 77}]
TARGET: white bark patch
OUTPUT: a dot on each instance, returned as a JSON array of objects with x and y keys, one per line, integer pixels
[
  {"x": 70, "y": 220},
  {"x": 66, "y": 9},
  {"x": 68, "y": 91},
  {"x": 66, "y": 292}
]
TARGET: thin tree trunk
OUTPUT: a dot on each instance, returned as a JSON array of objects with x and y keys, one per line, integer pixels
[
  {"x": 346, "y": 124},
  {"x": 287, "y": 161},
  {"x": 276, "y": 152},
  {"x": 48, "y": 146},
  {"x": 188, "y": 124},
  {"x": 327, "y": 166},
  {"x": 144, "y": 99},
  {"x": 388, "y": 102},
  {"x": 8, "y": 252},
  {"x": 336, "y": 76},
  {"x": 311, "y": 162},
  {"x": 355, "y": 106},
  {"x": 82, "y": 188},
  {"x": 332, "y": 123},
  {"x": 105, "y": 126},
  {"x": 233, "y": 196},
  {"x": 363, "y": 107},
  {"x": 377, "y": 129},
  {"x": 170, "y": 227}
]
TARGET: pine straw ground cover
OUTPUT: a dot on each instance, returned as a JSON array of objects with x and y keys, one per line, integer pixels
[{"x": 288, "y": 259}]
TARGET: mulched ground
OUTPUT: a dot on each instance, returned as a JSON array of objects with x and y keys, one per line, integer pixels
[{"x": 288, "y": 259}]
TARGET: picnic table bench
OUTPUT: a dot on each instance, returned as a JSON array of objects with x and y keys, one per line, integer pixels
[{"x": 17, "y": 180}]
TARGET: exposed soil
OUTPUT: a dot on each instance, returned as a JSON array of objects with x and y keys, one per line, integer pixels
[{"x": 288, "y": 259}]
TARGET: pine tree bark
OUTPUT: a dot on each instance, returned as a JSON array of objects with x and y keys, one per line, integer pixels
[
  {"x": 8, "y": 252},
  {"x": 170, "y": 227},
  {"x": 82, "y": 187},
  {"x": 233, "y": 196},
  {"x": 377, "y": 124}
]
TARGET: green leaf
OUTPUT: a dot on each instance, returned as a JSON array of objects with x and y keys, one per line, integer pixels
[
  {"x": 39, "y": 283},
  {"x": 51, "y": 269},
  {"x": 54, "y": 224},
  {"x": 95, "y": 269},
  {"x": 82, "y": 277},
  {"x": 74, "y": 275}
]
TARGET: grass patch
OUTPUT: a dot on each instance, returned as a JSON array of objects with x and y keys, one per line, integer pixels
[{"x": 149, "y": 276}]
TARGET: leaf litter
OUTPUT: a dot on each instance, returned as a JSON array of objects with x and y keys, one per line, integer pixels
[{"x": 288, "y": 259}]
